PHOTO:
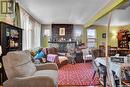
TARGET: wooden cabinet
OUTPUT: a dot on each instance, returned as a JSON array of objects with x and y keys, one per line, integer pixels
[
  {"x": 123, "y": 39},
  {"x": 10, "y": 40}
]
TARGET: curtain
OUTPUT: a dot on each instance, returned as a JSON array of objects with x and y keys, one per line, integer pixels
[
  {"x": 17, "y": 15},
  {"x": 37, "y": 34},
  {"x": 25, "y": 25},
  {"x": 31, "y": 31}
]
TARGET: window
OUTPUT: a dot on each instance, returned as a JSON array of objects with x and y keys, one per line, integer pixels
[
  {"x": 47, "y": 32},
  {"x": 91, "y": 38}
]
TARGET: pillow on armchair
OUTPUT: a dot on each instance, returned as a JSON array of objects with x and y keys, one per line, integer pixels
[{"x": 40, "y": 56}]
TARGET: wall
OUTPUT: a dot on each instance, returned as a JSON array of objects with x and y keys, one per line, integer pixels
[
  {"x": 99, "y": 31},
  {"x": 84, "y": 36},
  {"x": 68, "y": 31},
  {"x": 79, "y": 28},
  {"x": 112, "y": 34},
  {"x": 45, "y": 38},
  {"x": 77, "y": 32}
]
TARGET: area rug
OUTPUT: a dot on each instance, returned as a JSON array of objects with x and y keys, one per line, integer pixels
[{"x": 79, "y": 74}]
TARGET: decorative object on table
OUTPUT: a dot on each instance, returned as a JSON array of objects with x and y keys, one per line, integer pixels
[
  {"x": 117, "y": 59},
  {"x": 117, "y": 55}
]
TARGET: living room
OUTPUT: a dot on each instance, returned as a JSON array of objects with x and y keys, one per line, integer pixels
[{"x": 64, "y": 43}]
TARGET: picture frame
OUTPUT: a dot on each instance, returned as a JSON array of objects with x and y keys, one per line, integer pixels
[
  {"x": 7, "y": 7},
  {"x": 104, "y": 35},
  {"x": 61, "y": 31}
]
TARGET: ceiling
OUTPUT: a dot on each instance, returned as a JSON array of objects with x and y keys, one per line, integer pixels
[
  {"x": 120, "y": 16},
  {"x": 63, "y": 11}
]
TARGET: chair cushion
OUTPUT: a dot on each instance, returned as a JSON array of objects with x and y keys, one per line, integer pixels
[{"x": 50, "y": 73}]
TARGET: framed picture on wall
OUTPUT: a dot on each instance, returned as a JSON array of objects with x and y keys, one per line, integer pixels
[
  {"x": 104, "y": 35},
  {"x": 62, "y": 31}
]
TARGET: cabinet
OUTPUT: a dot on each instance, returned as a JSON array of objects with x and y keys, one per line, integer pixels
[
  {"x": 123, "y": 39},
  {"x": 10, "y": 40}
]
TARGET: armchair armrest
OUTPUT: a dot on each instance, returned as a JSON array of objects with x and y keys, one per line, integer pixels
[
  {"x": 47, "y": 66},
  {"x": 34, "y": 81}
]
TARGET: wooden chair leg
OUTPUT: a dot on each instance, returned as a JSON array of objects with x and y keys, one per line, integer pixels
[{"x": 94, "y": 74}]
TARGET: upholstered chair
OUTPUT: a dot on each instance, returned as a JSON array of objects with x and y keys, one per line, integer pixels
[
  {"x": 21, "y": 72},
  {"x": 86, "y": 54}
]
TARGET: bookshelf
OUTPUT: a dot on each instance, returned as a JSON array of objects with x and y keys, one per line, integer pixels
[{"x": 10, "y": 40}]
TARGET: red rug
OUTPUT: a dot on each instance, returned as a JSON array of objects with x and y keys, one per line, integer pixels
[{"x": 79, "y": 74}]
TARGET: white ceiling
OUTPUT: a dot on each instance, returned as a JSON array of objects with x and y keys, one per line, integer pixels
[
  {"x": 119, "y": 17},
  {"x": 63, "y": 11}
]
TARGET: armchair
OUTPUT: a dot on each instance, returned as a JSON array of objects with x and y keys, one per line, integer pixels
[
  {"x": 86, "y": 54},
  {"x": 21, "y": 72}
]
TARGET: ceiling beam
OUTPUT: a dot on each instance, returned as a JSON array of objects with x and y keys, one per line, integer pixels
[{"x": 108, "y": 8}]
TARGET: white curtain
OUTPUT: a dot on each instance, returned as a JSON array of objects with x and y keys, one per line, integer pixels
[
  {"x": 25, "y": 25},
  {"x": 37, "y": 34},
  {"x": 31, "y": 31}
]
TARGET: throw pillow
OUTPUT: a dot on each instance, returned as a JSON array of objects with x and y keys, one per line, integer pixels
[{"x": 39, "y": 55}]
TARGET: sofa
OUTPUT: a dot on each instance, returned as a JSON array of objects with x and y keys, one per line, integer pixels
[
  {"x": 52, "y": 55},
  {"x": 21, "y": 72}
]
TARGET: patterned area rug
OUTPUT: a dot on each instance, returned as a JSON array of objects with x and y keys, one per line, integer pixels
[{"x": 79, "y": 74}]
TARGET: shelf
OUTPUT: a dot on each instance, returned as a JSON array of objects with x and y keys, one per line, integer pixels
[{"x": 13, "y": 47}]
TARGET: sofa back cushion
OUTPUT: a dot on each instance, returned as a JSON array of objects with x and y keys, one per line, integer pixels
[
  {"x": 18, "y": 64},
  {"x": 52, "y": 50}
]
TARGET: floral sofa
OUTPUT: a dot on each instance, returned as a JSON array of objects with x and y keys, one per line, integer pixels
[{"x": 51, "y": 55}]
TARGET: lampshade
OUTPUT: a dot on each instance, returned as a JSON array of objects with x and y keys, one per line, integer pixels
[{"x": 0, "y": 50}]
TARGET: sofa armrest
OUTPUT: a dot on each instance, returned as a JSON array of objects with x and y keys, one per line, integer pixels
[
  {"x": 47, "y": 66},
  {"x": 34, "y": 81},
  {"x": 31, "y": 81}
]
